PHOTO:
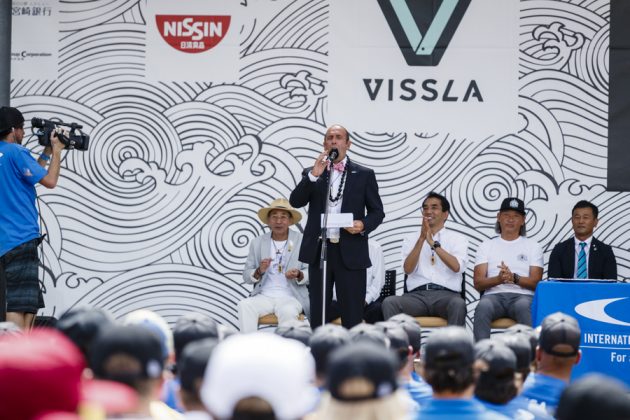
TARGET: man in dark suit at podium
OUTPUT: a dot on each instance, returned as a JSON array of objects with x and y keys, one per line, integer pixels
[
  {"x": 353, "y": 190},
  {"x": 583, "y": 256}
]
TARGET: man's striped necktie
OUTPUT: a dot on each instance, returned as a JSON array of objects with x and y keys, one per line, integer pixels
[{"x": 581, "y": 266}]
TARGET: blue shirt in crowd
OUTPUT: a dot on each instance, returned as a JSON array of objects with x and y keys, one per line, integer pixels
[
  {"x": 420, "y": 391},
  {"x": 519, "y": 408},
  {"x": 544, "y": 389},
  {"x": 465, "y": 409},
  {"x": 170, "y": 388}
]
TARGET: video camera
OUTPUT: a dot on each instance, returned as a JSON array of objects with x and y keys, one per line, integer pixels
[{"x": 73, "y": 139}]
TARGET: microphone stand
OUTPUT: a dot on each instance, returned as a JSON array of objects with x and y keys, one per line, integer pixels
[{"x": 323, "y": 257}]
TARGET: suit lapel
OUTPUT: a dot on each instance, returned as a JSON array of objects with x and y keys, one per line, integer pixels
[
  {"x": 571, "y": 256},
  {"x": 592, "y": 254},
  {"x": 323, "y": 184},
  {"x": 350, "y": 179},
  {"x": 291, "y": 245},
  {"x": 265, "y": 245}
]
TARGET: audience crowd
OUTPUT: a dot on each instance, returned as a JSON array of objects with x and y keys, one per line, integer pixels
[{"x": 92, "y": 367}]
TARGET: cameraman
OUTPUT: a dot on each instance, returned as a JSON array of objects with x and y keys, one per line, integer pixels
[{"x": 20, "y": 294}]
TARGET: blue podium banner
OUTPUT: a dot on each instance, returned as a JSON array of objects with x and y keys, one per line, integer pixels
[{"x": 603, "y": 311}]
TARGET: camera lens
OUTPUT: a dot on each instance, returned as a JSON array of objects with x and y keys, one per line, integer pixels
[{"x": 37, "y": 122}]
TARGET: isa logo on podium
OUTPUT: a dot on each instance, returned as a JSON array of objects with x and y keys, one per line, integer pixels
[{"x": 425, "y": 66}]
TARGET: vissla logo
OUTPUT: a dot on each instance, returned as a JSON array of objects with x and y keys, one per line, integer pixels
[
  {"x": 423, "y": 31},
  {"x": 192, "y": 34}
]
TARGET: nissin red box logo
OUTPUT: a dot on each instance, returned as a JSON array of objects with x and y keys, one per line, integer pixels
[{"x": 192, "y": 34}]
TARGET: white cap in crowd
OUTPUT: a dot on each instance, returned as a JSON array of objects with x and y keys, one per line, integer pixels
[{"x": 275, "y": 369}]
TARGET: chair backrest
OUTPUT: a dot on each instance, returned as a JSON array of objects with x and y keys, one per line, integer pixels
[{"x": 389, "y": 287}]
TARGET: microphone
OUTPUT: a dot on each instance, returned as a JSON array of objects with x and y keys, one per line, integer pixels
[{"x": 333, "y": 154}]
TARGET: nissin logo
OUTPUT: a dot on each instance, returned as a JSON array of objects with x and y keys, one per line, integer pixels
[
  {"x": 192, "y": 34},
  {"x": 422, "y": 30}
]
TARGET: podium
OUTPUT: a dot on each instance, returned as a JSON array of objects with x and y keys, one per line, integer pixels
[{"x": 603, "y": 312}]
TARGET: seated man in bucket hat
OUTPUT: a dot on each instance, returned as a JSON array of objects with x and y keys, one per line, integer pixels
[{"x": 272, "y": 266}]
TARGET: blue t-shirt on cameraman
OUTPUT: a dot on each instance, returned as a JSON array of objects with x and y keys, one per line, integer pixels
[{"x": 19, "y": 173}]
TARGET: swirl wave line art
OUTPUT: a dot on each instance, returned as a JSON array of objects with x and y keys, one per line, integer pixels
[
  {"x": 171, "y": 290},
  {"x": 301, "y": 25}
]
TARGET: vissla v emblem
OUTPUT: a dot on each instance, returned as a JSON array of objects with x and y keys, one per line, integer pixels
[{"x": 423, "y": 28}]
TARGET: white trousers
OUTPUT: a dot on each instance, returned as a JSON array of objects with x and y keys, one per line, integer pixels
[{"x": 286, "y": 308}]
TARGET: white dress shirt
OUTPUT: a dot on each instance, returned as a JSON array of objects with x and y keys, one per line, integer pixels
[{"x": 452, "y": 242}]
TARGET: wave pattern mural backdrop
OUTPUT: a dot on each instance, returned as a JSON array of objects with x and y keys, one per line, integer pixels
[{"x": 159, "y": 213}]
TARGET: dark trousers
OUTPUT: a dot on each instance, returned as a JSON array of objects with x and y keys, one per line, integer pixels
[
  {"x": 443, "y": 303},
  {"x": 490, "y": 307},
  {"x": 3, "y": 292},
  {"x": 349, "y": 285},
  {"x": 372, "y": 313}
]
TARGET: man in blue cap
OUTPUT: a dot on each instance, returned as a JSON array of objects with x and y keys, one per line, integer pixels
[
  {"x": 447, "y": 365},
  {"x": 557, "y": 353}
]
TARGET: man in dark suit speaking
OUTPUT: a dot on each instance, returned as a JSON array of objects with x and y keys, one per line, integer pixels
[
  {"x": 353, "y": 190},
  {"x": 583, "y": 256}
]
